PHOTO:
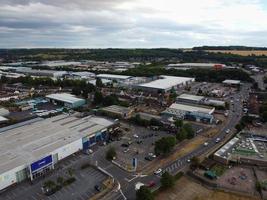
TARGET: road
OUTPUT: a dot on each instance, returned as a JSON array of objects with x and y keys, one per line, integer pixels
[{"x": 128, "y": 187}]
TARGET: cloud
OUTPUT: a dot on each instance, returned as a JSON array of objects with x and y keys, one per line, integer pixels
[{"x": 131, "y": 23}]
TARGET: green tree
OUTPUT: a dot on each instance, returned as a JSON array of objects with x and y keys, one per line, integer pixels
[
  {"x": 239, "y": 127},
  {"x": 190, "y": 133},
  {"x": 181, "y": 135},
  {"x": 167, "y": 180},
  {"x": 195, "y": 163},
  {"x": 179, "y": 123},
  {"x": 111, "y": 153},
  {"x": 164, "y": 145},
  {"x": 110, "y": 100},
  {"x": 98, "y": 98},
  {"x": 99, "y": 83},
  {"x": 144, "y": 193},
  {"x": 264, "y": 116}
]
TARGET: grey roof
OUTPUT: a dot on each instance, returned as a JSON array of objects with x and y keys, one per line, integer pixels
[
  {"x": 25, "y": 144},
  {"x": 64, "y": 97},
  {"x": 190, "y": 97}
]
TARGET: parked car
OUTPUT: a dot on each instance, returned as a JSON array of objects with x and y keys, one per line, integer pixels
[
  {"x": 148, "y": 158},
  {"x": 151, "y": 184},
  {"x": 97, "y": 188},
  {"x": 126, "y": 150},
  {"x": 158, "y": 171},
  {"x": 125, "y": 145}
]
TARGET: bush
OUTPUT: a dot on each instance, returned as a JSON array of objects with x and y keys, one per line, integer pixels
[
  {"x": 167, "y": 180},
  {"x": 69, "y": 181},
  {"x": 85, "y": 165},
  {"x": 111, "y": 153},
  {"x": 144, "y": 194},
  {"x": 165, "y": 145}
]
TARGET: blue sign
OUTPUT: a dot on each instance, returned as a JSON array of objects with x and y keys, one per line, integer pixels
[
  {"x": 134, "y": 162},
  {"x": 41, "y": 163}
]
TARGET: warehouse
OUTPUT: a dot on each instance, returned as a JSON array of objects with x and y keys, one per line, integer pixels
[
  {"x": 232, "y": 82},
  {"x": 189, "y": 98},
  {"x": 65, "y": 100},
  {"x": 29, "y": 150},
  {"x": 194, "y": 113},
  {"x": 45, "y": 73},
  {"x": 117, "y": 111},
  {"x": 165, "y": 83},
  {"x": 113, "y": 77},
  {"x": 215, "y": 66}
]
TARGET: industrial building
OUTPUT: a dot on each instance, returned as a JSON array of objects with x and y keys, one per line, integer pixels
[
  {"x": 194, "y": 99},
  {"x": 31, "y": 149},
  {"x": 65, "y": 100},
  {"x": 117, "y": 111},
  {"x": 189, "y": 98},
  {"x": 194, "y": 113},
  {"x": 113, "y": 77},
  {"x": 244, "y": 148},
  {"x": 45, "y": 73},
  {"x": 215, "y": 66},
  {"x": 232, "y": 82},
  {"x": 165, "y": 83}
]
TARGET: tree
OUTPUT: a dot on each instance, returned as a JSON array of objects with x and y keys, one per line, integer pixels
[
  {"x": 165, "y": 145},
  {"x": 179, "y": 123},
  {"x": 144, "y": 194},
  {"x": 110, "y": 100},
  {"x": 264, "y": 116},
  {"x": 111, "y": 154},
  {"x": 155, "y": 122},
  {"x": 195, "y": 162},
  {"x": 189, "y": 130},
  {"x": 99, "y": 83},
  {"x": 167, "y": 180},
  {"x": 239, "y": 127},
  {"x": 98, "y": 98},
  {"x": 181, "y": 135}
]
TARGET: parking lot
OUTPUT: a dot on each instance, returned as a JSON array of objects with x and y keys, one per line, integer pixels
[
  {"x": 82, "y": 189},
  {"x": 137, "y": 142}
]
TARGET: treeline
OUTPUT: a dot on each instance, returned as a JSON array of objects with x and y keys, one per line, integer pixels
[
  {"x": 138, "y": 55},
  {"x": 202, "y": 75},
  {"x": 238, "y": 48}
]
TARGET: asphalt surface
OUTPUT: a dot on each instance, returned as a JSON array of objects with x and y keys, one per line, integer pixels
[{"x": 128, "y": 180}]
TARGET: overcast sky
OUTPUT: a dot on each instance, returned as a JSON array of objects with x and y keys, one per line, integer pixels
[{"x": 132, "y": 23}]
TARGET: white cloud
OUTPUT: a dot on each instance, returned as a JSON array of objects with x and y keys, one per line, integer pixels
[{"x": 132, "y": 23}]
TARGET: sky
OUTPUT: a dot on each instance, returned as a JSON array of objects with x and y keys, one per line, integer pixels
[{"x": 132, "y": 23}]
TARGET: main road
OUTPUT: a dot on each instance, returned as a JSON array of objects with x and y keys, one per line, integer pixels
[{"x": 126, "y": 180}]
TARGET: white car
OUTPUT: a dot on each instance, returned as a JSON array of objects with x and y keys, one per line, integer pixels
[
  {"x": 152, "y": 155},
  {"x": 138, "y": 185},
  {"x": 188, "y": 160},
  {"x": 206, "y": 144},
  {"x": 158, "y": 171},
  {"x": 126, "y": 150},
  {"x": 218, "y": 140},
  {"x": 135, "y": 136},
  {"x": 227, "y": 131}
]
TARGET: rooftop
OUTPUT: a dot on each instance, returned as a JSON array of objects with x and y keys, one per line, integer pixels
[
  {"x": 194, "y": 65},
  {"x": 228, "y": 81},
  {"x": 65, "y": 97},
  {"x": 167, "y": 82},
  {"x": 190, "y": 108},
  {"x": 113, "y": 76},
  {"x": 190, "y": 97},
  {"x": 21, "y": 145},
  {"x": 116, "y": 109}
]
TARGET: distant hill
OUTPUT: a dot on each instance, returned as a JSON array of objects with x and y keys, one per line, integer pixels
[{"x": 237, "y": 48}]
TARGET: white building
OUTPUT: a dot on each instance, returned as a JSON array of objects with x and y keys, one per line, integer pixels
[
  {"x": 197, "y": 65},
  {"x": 113, "y": 77},
  {"x": 29, "y": 150},
  {"x": 195, "y": 113},
  {"x": 166, "y": 83},
  {"x": 66, "y": 100},
  {"x": 232, "y": 82}
]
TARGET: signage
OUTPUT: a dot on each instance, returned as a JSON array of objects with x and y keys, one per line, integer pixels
[{"x": 41, "y": 163}]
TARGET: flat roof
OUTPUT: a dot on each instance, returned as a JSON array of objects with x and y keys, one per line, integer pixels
[
  {"x": 194, "y": 64},
  {"x": 116, "y": 109},
  {"x": 190, "y": 108},
  {"x": 113, "y": 76},
  {"x": 190, "y": 97},
  {"x": 3, "y": 119},
  {"x": 228, "y": 81},
  {"x": 25, "y": 144},
  {"x": 65, "y": 97},
  {"x": 166, "y": 82}
]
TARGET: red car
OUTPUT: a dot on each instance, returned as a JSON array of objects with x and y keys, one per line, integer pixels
[{"x": 151, "y": 184}]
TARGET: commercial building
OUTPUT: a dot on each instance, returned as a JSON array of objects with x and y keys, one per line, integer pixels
[
  {"x": 113, "y": 77},
  {"x": 117, "y": 111},
  {"x": 29, "y": 150},
  {"x": 165, "y": 83},
  {"x": 215, "y": 66},
  {"x": 195, "y": 113},
  {"x": 81, "y": 75},
  {"x": 229, "y": 82},
  {"x": 65, "y": 100},
  {"x": 245, "y": 148},
  {"x": 194, "y": 99},
  {"x": 45, "y": 73},
  {"x": 189, "y": 98}
]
